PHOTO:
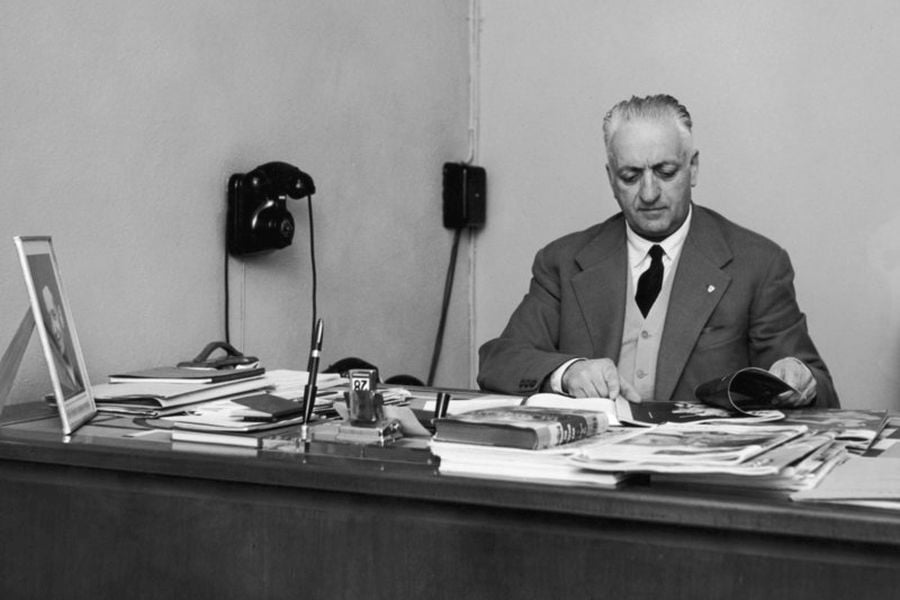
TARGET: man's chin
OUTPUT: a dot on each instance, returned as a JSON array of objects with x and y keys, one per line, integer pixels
[{"x": 653, "y": 229}]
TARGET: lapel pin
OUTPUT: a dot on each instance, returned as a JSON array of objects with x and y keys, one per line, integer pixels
[{"x": 710, "y": 289}]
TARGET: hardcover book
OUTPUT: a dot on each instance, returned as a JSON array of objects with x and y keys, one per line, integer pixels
[
  {"x": 250, "y": 436},
  {"x": 186, "y": 375},
  {"x": 267, "y": 407},
  {"x": 530, "y": 427}
]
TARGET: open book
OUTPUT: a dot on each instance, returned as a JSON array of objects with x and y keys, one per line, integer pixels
[
  {"x": 745, "y": 396},
  {"x": 623, "y": 412}
]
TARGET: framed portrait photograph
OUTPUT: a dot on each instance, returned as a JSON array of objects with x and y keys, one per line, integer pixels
[{"x": 56, "y": 329}]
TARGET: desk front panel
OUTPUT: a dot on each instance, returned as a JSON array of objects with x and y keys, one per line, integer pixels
[{"x": 143, "y": 521}]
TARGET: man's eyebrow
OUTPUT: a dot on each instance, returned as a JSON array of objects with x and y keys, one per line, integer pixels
[{"x": 660, "y": 164}]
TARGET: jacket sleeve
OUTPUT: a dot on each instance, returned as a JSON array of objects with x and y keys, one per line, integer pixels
[
  {"x": 523, "y": 357},
  {"x": 778, "y": 329}
]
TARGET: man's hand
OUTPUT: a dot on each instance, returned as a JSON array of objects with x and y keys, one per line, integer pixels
[
  {"x": 798, "y": 376},
  {"x": 597, "y": 378}
]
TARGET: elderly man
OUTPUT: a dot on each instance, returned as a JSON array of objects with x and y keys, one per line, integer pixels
[{"x": 661, "y": 297}]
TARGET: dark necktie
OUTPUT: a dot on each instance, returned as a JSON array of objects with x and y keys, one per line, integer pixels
[{"x": 650, "y": 281}]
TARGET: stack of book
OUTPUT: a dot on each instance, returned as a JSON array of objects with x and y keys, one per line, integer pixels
[
  {"x": 167, "y": 390},
  {"x": 523, "y": 443},
  {"x": 548, "y": 466},
  {"x": 243, "y": 421},
  {"x": 246, "y": 420}
]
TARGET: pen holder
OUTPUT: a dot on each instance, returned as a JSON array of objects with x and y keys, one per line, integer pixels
[{"x": 365, "y": 407}]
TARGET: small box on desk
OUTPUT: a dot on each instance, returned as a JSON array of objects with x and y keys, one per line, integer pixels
[{"x": 381, "y": 433}]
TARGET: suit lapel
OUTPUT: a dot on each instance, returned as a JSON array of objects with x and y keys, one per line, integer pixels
[
  {"x": 699, "y": 285},
  {"x": 600, "y": 287}
]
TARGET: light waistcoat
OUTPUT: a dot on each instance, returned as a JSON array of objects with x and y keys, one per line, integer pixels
[{"x": 641, "y": 336}]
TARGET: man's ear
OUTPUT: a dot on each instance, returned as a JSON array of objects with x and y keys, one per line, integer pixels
[
  {"x": 695, "y": 167},
  {"x": 609, "y": 176}
]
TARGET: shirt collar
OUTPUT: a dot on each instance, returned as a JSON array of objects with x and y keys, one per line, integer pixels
[{"x": 638, "y": 247}]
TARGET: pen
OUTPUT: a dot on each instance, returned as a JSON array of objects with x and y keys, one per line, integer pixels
[
  {"x": 877, "y": 436},
  {"x": 441, "y": 404},
  {"x": 309, "y": 392}
]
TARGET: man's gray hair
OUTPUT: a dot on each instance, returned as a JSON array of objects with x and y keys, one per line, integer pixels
[{"x": 656, "y": 107}]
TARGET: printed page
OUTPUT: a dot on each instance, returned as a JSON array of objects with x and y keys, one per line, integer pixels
[{"x": 600, "y": 405}]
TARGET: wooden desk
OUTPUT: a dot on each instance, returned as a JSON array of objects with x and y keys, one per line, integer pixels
[{"x": 110, "y": 518}]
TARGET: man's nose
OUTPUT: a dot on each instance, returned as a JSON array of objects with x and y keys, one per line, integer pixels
[{"x": 649, "y": 191}]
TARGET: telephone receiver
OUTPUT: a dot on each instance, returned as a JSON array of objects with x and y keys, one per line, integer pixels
[
  {"x": 230, "y": 358},
  {"x": 281, "y": 179},
  {"x": 258, "y": 219}
]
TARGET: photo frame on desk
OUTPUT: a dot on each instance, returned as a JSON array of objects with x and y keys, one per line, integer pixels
[{"x": 56, "y": 330}]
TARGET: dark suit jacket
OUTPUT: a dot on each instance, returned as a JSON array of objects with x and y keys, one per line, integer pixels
[{"x": 732, "y": 306}]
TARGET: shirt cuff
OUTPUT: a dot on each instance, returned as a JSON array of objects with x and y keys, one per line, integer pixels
[{"x": 557, "y": 375}]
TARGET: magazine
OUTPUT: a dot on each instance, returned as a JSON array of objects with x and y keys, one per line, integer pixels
[
  {"x": 688, "y": 448},
  {"x": 859, "y": 429},
  {"x": 798, "y": 464},
  {"x": 744, "y": 390}
]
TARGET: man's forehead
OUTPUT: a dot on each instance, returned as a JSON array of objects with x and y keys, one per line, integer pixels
[{"x": 645, "y": 142}]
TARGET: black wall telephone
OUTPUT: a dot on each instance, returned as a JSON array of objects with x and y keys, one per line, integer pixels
[{"x": 258, "y": 218}]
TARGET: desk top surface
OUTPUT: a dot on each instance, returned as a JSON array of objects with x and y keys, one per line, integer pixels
[{"x": 409, "y": 471}]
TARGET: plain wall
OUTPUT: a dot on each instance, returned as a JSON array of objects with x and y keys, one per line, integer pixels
[
  {"x": 795, "y": 116},
  {"x": 120, "y": 123}
]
